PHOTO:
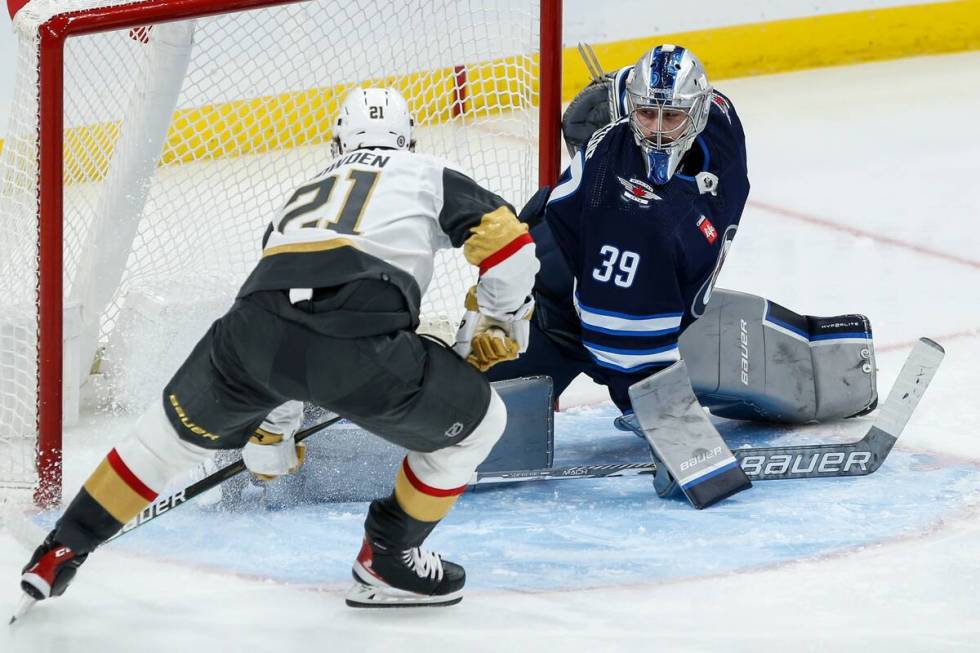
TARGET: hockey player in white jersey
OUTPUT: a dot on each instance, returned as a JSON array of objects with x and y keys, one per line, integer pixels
[{"x": 328, "y": 316}]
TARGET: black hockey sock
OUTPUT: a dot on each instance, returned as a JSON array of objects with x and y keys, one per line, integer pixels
[
  {"x": 85, "y": 525},
  {"x": 388, "y": 525}
]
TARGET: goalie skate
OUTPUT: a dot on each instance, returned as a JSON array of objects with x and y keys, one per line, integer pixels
[{"x": 401, "y": 579}]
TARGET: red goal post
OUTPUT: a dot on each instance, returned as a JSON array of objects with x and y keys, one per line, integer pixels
[{"x": 55, "y": 141}]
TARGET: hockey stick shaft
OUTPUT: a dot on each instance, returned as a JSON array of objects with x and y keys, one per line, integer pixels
[
  {"x": 558, "y": 473},
  {"x": 793, "y": 462},
  {"x": 167, "y": 504}
]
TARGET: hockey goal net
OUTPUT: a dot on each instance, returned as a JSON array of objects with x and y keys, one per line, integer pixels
[{"x": 149, "y": 143}]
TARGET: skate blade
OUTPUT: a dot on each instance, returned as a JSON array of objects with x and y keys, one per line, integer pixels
[
  {"x": 26, "y": 603},
  {"x": 361, "y": 595}
]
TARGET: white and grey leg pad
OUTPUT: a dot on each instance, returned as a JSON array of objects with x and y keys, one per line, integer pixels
[
  {"x": 154, "y": 452},
  {"x": 750, "y": 358},
  {"x": 453, "y": 466},
  {"x": 684, "y": 440}
]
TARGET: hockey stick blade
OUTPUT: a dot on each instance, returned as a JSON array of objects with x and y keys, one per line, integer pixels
[
  {"x": 167, "y": 504},
  {"x": 781, "y": 463},
  {"x": 867, "y": 454},
  {"x": 26, "y": 603}
]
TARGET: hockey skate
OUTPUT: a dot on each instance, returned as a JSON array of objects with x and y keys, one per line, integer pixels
[
  {"x": 397, "y": 579},
  {"x": 51, "y": 569}
]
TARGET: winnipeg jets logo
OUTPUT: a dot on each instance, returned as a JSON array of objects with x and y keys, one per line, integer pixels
[
  {"x": 638, "y": 191},
  {"x": 721, "y": 102}
]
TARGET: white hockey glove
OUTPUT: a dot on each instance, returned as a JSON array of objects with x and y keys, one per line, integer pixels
[
  {"x": 485, "y": 339},
  {"x": 272, "y": 451}
]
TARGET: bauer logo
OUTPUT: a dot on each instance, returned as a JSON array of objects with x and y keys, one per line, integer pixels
[
  {"x": 743, "y": 350},
  {"x": 832, "y": 462},
  {"x": 700, "y": 456}
]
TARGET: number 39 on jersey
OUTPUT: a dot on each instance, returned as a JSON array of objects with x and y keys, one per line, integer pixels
[{"x": 618, "y": 267}]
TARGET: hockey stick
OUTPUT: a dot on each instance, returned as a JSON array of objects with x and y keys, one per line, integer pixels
[
  {"x": 805, "y": 461},
  {"x": 167, "y": 504}
]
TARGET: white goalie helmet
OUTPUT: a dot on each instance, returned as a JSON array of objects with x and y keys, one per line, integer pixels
[
  {"x": 668, "y": 98},
  {"x": 373, "y": 117}
]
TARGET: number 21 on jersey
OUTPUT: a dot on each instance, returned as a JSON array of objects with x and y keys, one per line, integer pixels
[
  {"x": 620, "y": 267},
  {"x": 312, "y": 202}
]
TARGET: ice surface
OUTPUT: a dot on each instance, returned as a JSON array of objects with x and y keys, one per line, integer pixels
[{"x": 886, "y": 562}]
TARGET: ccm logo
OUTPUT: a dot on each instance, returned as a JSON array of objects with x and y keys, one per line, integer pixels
[{"x": 831, "y": 462}]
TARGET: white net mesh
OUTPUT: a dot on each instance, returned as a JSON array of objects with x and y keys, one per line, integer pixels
[{"x": 152, "y": 259}]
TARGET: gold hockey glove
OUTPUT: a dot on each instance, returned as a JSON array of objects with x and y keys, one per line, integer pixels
[{"x": 487, "y": 339}]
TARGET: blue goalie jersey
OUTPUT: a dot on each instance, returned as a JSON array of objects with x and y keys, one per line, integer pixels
[{"x": 627, "y": 265}]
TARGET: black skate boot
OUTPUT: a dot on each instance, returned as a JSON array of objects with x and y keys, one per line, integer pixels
[
  {"x": 385, "y": 578},
  {"x": 50, "y": 570}
]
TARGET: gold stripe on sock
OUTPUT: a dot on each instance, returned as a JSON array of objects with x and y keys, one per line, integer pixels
[
  {"x": 114, "y": 494},
  {"x": 418, "y": 504}
]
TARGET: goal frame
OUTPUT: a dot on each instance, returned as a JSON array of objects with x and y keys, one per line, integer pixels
[{"x": 53, "y": 34}]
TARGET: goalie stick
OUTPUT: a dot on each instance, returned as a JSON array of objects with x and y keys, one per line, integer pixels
[{"x": 804, "y": 461}]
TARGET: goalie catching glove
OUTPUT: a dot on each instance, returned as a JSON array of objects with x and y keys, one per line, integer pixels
[
  {"x": 272, "y": 451},
  {"x": 486, "y": 338}
]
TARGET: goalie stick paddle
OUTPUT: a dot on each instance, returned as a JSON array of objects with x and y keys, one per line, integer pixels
[
  {"x": 167, "y": 504},
  {"x": 805, "y": 461}
]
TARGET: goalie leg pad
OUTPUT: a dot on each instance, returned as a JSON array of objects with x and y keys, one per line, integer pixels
[
  {"x": 684, "y": 440},
  {"x": 750, "y": 358}
]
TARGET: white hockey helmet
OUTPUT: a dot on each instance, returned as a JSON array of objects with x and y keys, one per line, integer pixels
[{"x": 373, "y": 117}]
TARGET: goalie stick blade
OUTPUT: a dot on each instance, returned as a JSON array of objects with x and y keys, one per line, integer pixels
[
  {"x": 867, "y": 454},
  {"x": 782, "y": 463}
]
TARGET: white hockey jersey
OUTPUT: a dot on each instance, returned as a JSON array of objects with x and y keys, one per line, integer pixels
[{"x": 399, "y": 207}]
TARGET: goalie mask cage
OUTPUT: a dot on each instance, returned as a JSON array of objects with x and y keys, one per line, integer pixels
[{"x": 149, "y": 143}]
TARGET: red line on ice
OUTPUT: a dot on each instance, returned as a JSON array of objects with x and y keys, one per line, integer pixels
[{"x": 854, "y": 231}]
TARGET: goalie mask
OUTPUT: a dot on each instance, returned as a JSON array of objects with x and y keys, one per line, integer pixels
[
  {"x": 668, "y": 98},
  {"x": 373, "y": 117}
]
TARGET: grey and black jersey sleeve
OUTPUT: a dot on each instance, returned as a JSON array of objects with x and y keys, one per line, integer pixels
[
  {"x": 492, "y": 238},
  {"x": 465, "y": 204}
]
